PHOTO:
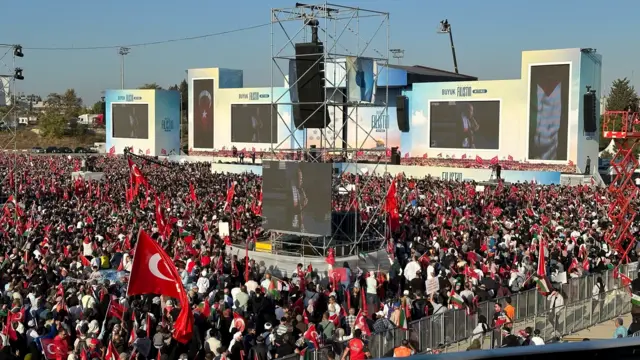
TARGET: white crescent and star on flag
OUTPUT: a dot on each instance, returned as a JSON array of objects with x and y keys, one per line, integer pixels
[{"x": 153, "y": 267}]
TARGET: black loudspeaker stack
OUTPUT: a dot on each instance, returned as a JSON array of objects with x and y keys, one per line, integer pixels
[
  {"x": 395, "y": 156},
  {"x": 590, "y": 112},
  {"x": 310, "y": 87},
  {"x": 402, "y": 113},
  {"x": 313, "y": 153}
]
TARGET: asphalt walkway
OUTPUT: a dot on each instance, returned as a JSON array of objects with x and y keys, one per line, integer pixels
[{"x": 603, "y": 330}]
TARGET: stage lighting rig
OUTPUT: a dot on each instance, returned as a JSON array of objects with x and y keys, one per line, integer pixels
[
  {"x": 17, "y": 51},
  {"x": 18, "y": 74}
]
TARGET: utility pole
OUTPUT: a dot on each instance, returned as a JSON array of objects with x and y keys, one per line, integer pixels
[
  {"x": 397, "y": 54},
  {"x": 122, "y": 51},
  {"x": 445, "y": 28}
]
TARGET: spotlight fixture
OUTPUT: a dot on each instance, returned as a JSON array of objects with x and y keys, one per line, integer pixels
[
  {"x": 18, "y": 74},
  {"x": 17, "y": 51}
]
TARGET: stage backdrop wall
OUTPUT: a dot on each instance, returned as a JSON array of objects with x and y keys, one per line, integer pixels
[
  {"x": 146, "y": 120},
  {"x": 251, "y": 125},
  {"x": 129, "y": 115},
  {"x": 552, "y": 81},
  {"x": 437, "y": 125},
  {"x": 533, "y": 118},
  {"x": 167, "y": 124}
]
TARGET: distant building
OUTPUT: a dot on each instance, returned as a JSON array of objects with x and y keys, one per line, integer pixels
[
  {"x": 88, "y": 119},
  {"x": 27, "y": 120}
]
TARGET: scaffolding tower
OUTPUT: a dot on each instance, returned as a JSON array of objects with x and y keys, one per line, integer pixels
[
  {"x": 624, "y": 128},
  {"x": 9, "y": 74},
  {"x": 344, "y": 32}
]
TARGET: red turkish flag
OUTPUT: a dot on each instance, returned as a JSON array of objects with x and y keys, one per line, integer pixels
[
  {"x": 136, "y": 175},
  {"x": 361, "y": 324},
  {"x": 49, "y": 348},
  {"x": 153, "y": 272},
  {"x": 112, "y": 353},
  {"x": 312, "y": 335}
]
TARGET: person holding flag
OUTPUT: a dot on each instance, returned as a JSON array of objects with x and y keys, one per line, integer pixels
[{"x": 153, "y": 272}]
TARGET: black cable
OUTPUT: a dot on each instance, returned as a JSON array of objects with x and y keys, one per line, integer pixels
[{"x": 146, "y": 43}]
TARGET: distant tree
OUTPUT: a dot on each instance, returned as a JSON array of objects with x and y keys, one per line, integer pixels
[
  {"x": 604, "y": 142},
  {"x": 183, "y": 88},
  {"x": 97, "y": 107},
  {"x": 152, "y": 86},
  {"x": 622, "y": 96},
  {"x": 59, "y": 110},
  {"x": 184, "y": 92}
]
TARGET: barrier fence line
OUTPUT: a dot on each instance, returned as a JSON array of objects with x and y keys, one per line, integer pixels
[{"x": 453, "y": 329}]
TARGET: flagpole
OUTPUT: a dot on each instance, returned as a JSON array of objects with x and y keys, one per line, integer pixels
[{"x": 135, "y": 252}]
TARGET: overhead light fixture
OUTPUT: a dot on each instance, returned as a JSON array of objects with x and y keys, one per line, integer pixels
[
  {"x": 17, "y": 51},
  {"x": 18, "y": 74}
]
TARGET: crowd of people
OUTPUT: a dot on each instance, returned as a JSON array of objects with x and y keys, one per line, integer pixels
[{"x": 68, "y": 246}]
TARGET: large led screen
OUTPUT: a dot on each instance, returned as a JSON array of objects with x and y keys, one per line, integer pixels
[
  {"x": 465, "y": 124},
  {"x": 296, "y": 197},
  {"x": 130, "y": 120},
  {"x": 549, "y": 111},
  {"x": 254, "y": 123},
  {"x": 203, "y": 113}
]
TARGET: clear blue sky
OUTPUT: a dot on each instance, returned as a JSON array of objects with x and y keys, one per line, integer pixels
[{"x": 489, "y": 36}]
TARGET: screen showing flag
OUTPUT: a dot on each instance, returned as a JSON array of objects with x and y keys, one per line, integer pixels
[
  {"x": 549, "y": 111},
  {"x": 360, "y": 79},
  {"x": 296, "y": 197},
  {"x": 203, "y": 113},
  {"x": 465, "y": 124},
  {"x": 254, "y": 123},
  {"x": 130, "y": 120}
]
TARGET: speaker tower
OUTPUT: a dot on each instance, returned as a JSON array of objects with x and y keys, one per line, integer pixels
[{"x": 402, "y": 113}]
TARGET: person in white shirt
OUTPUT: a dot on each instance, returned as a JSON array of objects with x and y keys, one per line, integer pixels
[
  {"x": 536, "y": 339},
  {"x": 203, "y": 283},
  {"x": 333, "y": 307},
  {"x": 411, "y": 269},
  {"x": 251, "y": 286},
  {"x": 372, "y": 284},
  {"x": 266, "y": 282}
]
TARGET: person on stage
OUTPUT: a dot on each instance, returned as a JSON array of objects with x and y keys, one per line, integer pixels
[
  {"x": 299, "y": 200},
  {"x": 469, "y": 126}
]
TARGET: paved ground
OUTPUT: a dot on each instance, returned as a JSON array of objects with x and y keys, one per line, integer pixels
[{"x": 601, "y": 331}]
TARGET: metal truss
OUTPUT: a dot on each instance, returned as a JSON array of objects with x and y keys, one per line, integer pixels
[
  {"x": 624, "y": 128},
  {"x": 8, "y": 72},
  {"x": 344, "y": 32}
]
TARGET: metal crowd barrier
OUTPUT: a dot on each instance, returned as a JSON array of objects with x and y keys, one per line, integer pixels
[{"x": 452, "y": 330}]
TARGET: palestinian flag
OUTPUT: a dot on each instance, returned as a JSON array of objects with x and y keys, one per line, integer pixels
[
  {"x": 635, "y": 299},
  {"x": 456, "y": 300},
  {"x": 543, "y": 285},
  {"x": 184, "y": 233},
  {"x": 273, "y": 290},
  {"x": 402, "y": 322}
]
